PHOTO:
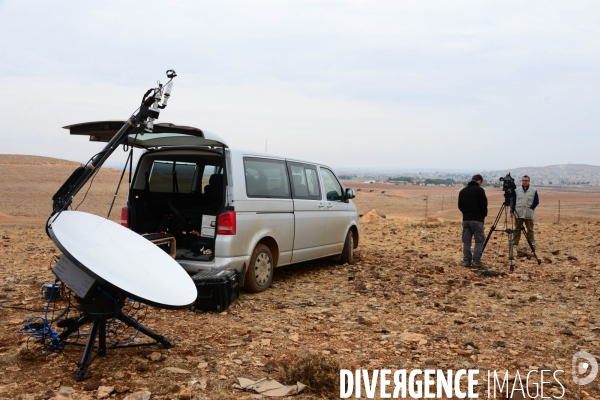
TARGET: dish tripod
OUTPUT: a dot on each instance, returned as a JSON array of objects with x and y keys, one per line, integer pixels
[
  {"x": 98, "y": 308},
  {"x": 509, "y": 231}
]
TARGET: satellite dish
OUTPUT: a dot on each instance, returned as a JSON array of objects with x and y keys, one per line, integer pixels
[
  {"x": 103, "y": 262},
  {"x": 117, "y": 257}
]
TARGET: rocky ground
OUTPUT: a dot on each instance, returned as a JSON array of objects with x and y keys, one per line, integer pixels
[{"x": 406, "y": 303}]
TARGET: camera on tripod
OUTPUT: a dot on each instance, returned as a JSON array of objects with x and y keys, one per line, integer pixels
[{"x": 508, "y": 186}]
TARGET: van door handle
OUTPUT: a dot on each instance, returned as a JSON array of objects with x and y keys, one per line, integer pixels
[
  {"x": 329, "y": 206},
  {"x": 320, "y": 205}
]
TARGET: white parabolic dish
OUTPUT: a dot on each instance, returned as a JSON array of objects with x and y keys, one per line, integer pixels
[{"x": 117, "y": 256}]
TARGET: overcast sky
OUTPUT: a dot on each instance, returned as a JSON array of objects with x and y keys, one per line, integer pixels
[{"x": 390, "y": 85}]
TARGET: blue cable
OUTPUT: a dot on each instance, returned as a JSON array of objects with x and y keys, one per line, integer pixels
[
  {"x": 114, "y": 321},
  {"x": 45, "y": 332}
]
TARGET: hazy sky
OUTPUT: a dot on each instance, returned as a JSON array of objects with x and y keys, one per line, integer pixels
[{"x": 365, "y": 84}]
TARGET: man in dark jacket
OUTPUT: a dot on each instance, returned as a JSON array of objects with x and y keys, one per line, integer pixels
[{"x": 472, "y": 202}]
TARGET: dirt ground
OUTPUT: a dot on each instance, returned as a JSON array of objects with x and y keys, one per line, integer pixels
[
  {"x": 27, "y": 184},
  {"x": 406, "y": 303}
]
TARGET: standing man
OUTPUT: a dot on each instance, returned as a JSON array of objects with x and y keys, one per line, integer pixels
[
  {"x": 472, "y": 202},
  {"x": 524, "y": 201}
]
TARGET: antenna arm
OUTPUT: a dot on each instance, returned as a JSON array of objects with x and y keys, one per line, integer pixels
[{"x": 64, "y": 196}]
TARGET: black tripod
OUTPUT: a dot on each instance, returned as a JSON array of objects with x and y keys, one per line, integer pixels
[
  {"x": 509, "y": 231},
  {"x": 98, "y": 308}
]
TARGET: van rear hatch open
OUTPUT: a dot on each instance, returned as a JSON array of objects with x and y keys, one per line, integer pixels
[
  {"x": 164, "y": 134},
  {"x": 179, "y": 191}
]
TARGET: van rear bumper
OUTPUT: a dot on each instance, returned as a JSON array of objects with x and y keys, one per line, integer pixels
[{"x": 194, "y": 267}]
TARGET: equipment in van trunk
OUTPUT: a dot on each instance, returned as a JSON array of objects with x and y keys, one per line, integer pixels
[
  {"x": 103, "y": 263},
  {"x": 165, "y": 241},
  {"x": 178, "y": 194}
]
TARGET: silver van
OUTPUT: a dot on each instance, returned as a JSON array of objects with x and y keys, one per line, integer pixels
[{"x": 230, "y": 208}]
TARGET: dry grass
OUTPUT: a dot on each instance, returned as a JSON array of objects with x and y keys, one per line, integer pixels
[
  {"x": 27, "y": 354},
  {"x": 319, "y": 372},
  {"x": 219, "y": 391}
]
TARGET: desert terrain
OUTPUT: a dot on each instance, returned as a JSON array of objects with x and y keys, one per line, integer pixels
[{"x": 406, "y": 302}]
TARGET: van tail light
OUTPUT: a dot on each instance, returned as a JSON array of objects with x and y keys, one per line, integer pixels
[
  {"x": 226, "y": 223},
  {"x": 125, "y": 217}
]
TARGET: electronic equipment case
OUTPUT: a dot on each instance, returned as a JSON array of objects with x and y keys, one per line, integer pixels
[{"x": 217, "y": 289}]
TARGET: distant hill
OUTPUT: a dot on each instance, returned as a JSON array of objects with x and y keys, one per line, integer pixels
[
  {"x": 27, "y": 184},
  {"x": 21, "y": 159},
  {"x": 561, "y": 167},
  {"x": 561, "y": 174}
]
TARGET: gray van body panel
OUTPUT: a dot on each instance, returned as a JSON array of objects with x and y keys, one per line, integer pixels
[{"x": 303, "y": 229}]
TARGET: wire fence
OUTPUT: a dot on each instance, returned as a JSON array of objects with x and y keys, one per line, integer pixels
[{"x": 554, "y": 207}]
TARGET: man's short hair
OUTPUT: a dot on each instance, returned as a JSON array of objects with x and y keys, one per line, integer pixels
[
  {"x": 477, "y": 177},
  {"x": 526, "y": 176}
]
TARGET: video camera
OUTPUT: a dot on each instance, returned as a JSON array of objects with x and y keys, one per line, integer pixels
[{"x": 508, "y": 186}]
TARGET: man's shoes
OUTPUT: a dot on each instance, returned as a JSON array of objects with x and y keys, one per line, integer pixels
[
  {"x": 467, "y": 265},
  {"x": 478, "y": 265}
]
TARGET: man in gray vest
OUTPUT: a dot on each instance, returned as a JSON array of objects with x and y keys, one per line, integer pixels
[{"x": 523, "y": 203}]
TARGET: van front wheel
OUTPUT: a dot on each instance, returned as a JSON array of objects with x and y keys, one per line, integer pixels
[
  {"x": 260, "y": 272},
  {"x": 347, "y": 255}
]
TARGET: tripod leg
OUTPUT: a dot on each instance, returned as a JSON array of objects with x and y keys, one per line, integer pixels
[
  {"x": 89, "y": 346},
  {"x": 72, "y": 328},
  {"x": 493, "y": 228},
  {"x": 530, "y": 244},
  {"x": 511, "y": 251},
  {"x": 102, "y": 338},
  {"x": 487, "y": 239},
  {"x": 511, "y": 246},
  {"x": 162, "y": 341}
]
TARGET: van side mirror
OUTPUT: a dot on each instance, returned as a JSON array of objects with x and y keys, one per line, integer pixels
[{"x": 349, "y": 194}]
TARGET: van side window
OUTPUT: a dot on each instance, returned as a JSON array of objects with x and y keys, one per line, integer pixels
[
  {"x": 305, "y": 181},
  {"x": 209, "y": 170},
  {"x": 171, "y": 176},
  {"x": 332, "y": 187},
  {"x": 266, "y": 178}
]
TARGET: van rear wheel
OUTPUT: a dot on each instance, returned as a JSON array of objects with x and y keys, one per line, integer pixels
[
  {"x": 260, "y": 272},
  {"x": 347, "y": 255}
]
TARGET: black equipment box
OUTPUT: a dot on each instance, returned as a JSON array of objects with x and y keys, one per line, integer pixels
[{"x": 217, "y": 289}]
